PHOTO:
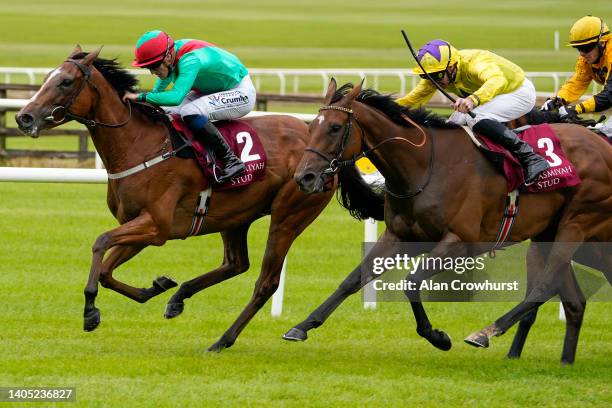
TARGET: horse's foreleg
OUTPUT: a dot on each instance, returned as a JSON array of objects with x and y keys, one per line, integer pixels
[
  {"x": 120, "y": 254},
  {"x": 291, "y": 214},
  {"x": 447, "y": 247},
  {"x": 141, "y": 231},
  {"x": 235, "y": 262},
  {"x": 574, "y": 304},
  {"x": 351, "y": 284},
  {"x": 536, "y": 261}
]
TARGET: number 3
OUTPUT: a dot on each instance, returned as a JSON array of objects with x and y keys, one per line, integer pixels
[
  {"x": 552, "y": 158},
  {"x": 246, "y": 156}
]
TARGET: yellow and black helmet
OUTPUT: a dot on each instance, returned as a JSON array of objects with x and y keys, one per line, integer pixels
[{"x": 588, "y": 29}]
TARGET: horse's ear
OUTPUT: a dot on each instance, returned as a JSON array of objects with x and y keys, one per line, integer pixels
[
  {"x": 89, "y": 58},
  {"x": 331, "y": 90},
  {"x": 77, "y": 49},
  {"x": 355, "y": 91}
]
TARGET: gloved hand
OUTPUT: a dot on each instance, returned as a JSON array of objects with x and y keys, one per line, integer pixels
[
  {"x": 568, "y": 114},
  {"x": 553, "y": 103}
]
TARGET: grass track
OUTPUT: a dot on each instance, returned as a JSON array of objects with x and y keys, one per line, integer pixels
[
  {"x": 365, "y": 358},
  {"x": 359, "y": 358}
]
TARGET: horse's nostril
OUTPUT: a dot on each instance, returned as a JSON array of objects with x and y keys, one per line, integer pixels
[
  {"x": 24, "y": 119},
  {"x": 308, "y": 178}
]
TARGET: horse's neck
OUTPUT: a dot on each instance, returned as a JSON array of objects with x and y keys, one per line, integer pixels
[
  {"x": 401, "y": 162},
  {"x": 125, "y": 146}
]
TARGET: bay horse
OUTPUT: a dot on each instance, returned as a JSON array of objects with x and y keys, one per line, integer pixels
[
  {"x": 440, "y": 191},
  {"x": 158, "y": 203}
]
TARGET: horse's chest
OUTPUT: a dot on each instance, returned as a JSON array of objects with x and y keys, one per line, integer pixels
[
  {"x": 124, "y": 206},
  {"x": 422, "y": 223}
]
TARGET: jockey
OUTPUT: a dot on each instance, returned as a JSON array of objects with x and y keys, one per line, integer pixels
[
  {"x": 494, "y": 88},
  {"x": 209, "y": 83},
  {"x": 589, "y": 36}
]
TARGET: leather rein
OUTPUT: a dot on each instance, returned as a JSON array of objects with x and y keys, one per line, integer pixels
[
  {"x": 60, "y": 113},
  {"x": 335, "y": 163}
]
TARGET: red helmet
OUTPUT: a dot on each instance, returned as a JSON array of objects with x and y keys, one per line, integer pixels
[{"x": 152, "y": 47}]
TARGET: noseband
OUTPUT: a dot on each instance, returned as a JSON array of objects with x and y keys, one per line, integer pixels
[{"x": 60, "y": 112}]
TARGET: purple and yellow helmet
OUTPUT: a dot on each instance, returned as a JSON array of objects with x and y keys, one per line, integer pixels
[{"x": 435, "y": 56}]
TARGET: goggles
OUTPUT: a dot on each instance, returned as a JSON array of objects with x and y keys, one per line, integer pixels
[
  {"x": 586, "y": 48},
  {"x": 436, "y": 76}
]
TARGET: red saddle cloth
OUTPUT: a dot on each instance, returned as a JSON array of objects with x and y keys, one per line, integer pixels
[
  {"x": 545, "y": 142},
  {"x": 244, "y": 142}
]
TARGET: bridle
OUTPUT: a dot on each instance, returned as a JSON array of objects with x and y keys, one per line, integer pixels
[
  {"x": 335, "y": 163},
  {"x": 60, "y": 113}
]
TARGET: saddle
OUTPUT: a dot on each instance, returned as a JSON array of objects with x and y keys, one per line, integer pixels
[
  {"x": 239, "y": 135},
  {"x": 544, "y": 142}
]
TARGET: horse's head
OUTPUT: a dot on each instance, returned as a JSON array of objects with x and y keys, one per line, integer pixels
[
  {"x": 64, "y": 94},
  {"x": 330, "y": 141}
]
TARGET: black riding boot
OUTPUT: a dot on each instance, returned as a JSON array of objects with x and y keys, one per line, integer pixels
[
  {"x": 232, "y": 165},
  {"x": 533, "y": 164}
]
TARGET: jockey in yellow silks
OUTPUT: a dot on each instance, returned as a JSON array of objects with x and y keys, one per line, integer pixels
[
  {"x": 490, "y": 86},
  {"x": 589, "y": 36}
]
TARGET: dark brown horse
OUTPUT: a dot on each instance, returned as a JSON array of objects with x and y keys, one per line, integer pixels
[
  {"x": 441, "y": 191},
  {"x": 158, "y": 203}
]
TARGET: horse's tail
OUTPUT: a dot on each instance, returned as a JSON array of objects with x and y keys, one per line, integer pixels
[{"x": 358, "y": 197}]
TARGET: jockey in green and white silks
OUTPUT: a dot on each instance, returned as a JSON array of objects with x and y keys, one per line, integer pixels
[
  {"x": 208, "y": 83},
  {"x": 494, "y": 89}
]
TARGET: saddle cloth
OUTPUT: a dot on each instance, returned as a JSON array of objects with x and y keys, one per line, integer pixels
[
  {"x": 544, "y": 142},
  {"x": 244, "y": 142}
]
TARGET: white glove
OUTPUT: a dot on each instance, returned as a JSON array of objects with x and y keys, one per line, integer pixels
[
  {"x": 606, "y": 128},
  {"x": 552, "y": 103}
]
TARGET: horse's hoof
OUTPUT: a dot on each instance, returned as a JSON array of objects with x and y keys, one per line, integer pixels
[
  {"x": 91, "y": 320},
  {"x": 438, "y": 339},
  {"x": 295, "y": 334},
  {"x": 174, "y": 309},
  {"x": 163, "y": 283},
  {"x": 220, "y": 345},
  {"x": 478, "y": 339},
  {"x": 509, "y": 356}
]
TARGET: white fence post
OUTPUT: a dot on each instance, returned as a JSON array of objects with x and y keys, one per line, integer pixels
[
  {"x": 370, "y": 235},
  {"x": 277, "y": 298}
]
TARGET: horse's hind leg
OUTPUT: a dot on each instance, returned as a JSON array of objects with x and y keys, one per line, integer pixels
[
  {"x": 351, "y": 284},
  {"x": 235, "y": 262},
  {"x": 290, "y": 216},
  {"x": 548, "y": 284},
  {"x": 120, "y": 254}
]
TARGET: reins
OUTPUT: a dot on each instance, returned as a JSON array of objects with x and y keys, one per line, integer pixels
[
  {"x": 61, "y": 112},
  {"x": 336, "y": 163}
]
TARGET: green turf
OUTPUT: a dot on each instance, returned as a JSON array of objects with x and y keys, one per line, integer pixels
[
  {"x": 136, "y": 358},
  {"x": 359, "y": 358}
]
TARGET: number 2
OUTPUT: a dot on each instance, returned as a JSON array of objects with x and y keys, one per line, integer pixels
[{"x": 246, "y": 156}]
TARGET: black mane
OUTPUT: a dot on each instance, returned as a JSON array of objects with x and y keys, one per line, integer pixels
[
  {"x": 119, "y": 78},
  {"x": 387, "y": 105}
]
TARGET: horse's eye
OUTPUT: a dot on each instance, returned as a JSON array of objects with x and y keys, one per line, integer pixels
[
  {"x": 66, "y": 82},
  {"x": 335, "y": 127}
]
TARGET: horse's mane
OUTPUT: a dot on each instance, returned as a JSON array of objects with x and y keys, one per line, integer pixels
[
  {"x": 119, "y": 78},
  {"x": 387, "y": 105}
]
